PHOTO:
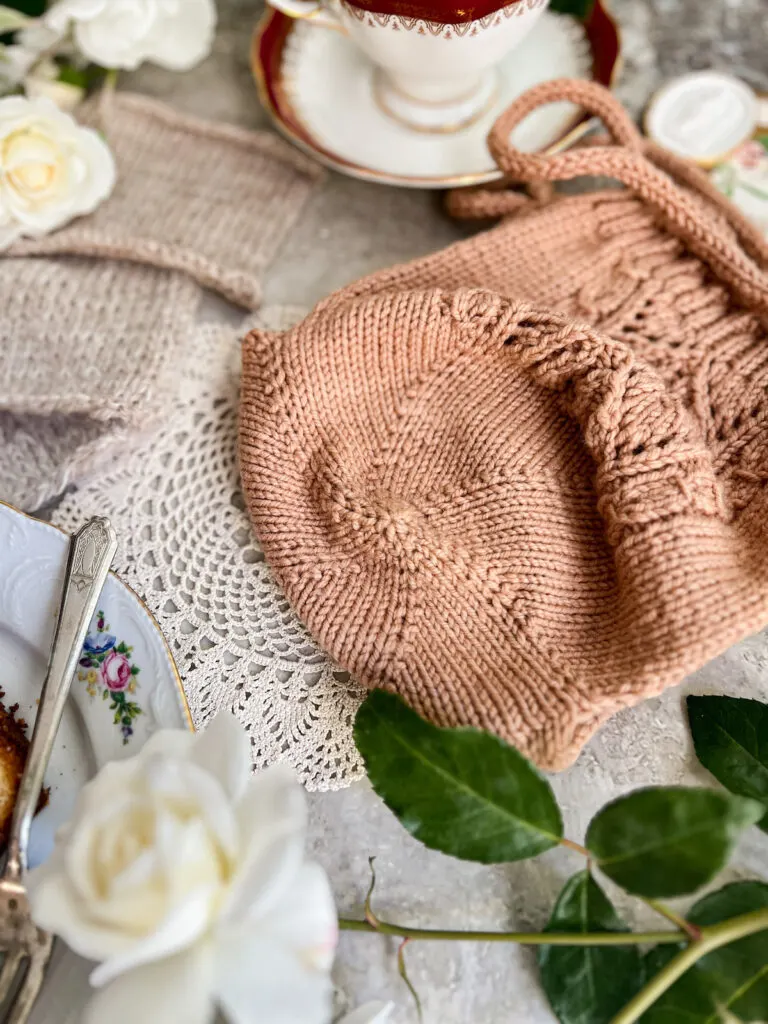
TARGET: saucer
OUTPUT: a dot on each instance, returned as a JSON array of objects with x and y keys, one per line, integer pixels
[{"x": 319, "y": 89}]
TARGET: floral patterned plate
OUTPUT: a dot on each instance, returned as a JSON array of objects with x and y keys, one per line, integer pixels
[
  {"x": 743, "y": 177},
  {"x": 126, "y": 687}
]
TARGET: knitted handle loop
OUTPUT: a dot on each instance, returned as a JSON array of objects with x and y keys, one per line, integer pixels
[
  {"x": 650, "y": 174},
  {"x": 593, "y": 98},
  {"x": 697, "y": 180}
]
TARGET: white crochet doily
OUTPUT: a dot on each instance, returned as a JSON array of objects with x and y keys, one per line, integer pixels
[{"x": 188, "y": 549}]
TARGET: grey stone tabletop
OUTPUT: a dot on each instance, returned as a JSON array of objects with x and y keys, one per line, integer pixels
[{"x": 352, "y": 228}]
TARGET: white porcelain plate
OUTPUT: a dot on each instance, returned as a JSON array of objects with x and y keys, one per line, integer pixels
[
  {"x": 319, "y": 88},
  {"x": 126, "y": 687}
]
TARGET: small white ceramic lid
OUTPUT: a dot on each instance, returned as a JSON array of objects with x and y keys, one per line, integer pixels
[{"x": 704, "y": 115}]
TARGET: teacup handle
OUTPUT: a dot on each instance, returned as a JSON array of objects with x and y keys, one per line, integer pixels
[{"x": 312, "y": 10}]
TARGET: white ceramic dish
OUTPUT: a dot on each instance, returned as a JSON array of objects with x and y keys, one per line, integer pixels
[
  {"x": 125, "y": 662},
  {"x": 320, "y": 89},
  {"x": 703, "y": 116},
  {"x": 126, "y": 672}
]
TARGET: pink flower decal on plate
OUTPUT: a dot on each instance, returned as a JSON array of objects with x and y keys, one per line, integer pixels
[
  {"x": 750, "y": 155},
  {"x": 116, "y": 671},
  {"x": 106, "y": 665}
]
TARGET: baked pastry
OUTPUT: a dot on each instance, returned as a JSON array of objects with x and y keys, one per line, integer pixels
[{"x": 14, "y": 746}]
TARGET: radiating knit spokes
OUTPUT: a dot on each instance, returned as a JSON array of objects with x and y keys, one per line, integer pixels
[
  {"x": 492, "y": 524},
  {"x": 547, "y": 447}
]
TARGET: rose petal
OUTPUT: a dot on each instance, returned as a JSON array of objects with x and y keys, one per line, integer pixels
[
  {"x": 117, "y": 36},
  {"x": 272, "y": 818},
  {"x": 14, "y": 109},
  {"x": 181, "y": 929},
  {"x": 371, "y": 1013},
  {"x": 258, "y": 981},
  {"x": 188, "y": 857},
  {"x": 9, "y": 233},
  {"x": 305, "y": 918},
  {"x": 172, "y": 991},
  {"x": 58, "y": 17},
  {"x": 273, "y": 799},
  {"x": 181, "y": 42},
  {"x": 54, "y": 168},
  {"x": 172, "y": 782},
  {"x": 224, "y": 750},
  {"x": 56, "y": 908},
  {"x": 90, "y": 815},
  {"x": 171, "y": 742}
]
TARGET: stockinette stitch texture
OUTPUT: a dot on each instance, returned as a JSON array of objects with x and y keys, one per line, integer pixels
[
  {"x": 96, "y": 317},
  {"x": 516, "y": 518}
]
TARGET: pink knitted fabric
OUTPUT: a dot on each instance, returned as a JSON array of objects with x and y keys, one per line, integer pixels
[{"x": 516, "y": 518}]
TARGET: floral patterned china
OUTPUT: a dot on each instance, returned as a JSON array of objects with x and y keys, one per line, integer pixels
[
  {"x": 127, "y": 685},
  {"x": 743, "y": 177}
]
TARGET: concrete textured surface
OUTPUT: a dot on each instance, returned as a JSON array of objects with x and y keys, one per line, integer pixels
[{"x": 352, "y": 228}]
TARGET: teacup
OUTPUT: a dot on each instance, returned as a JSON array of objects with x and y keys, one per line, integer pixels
[{"x": 434, "y": 63}]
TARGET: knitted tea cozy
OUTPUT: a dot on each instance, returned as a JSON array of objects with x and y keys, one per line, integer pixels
[{"x": 516, "y": 518}]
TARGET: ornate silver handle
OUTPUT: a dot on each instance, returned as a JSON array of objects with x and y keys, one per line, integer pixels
[{"x": 90, "y": 556}]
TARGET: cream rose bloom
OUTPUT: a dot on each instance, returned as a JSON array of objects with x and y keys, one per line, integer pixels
[
  {"x": 371, "y": 1013},
  {"x": 176, "y": 34},
  {"x": 51, "y": 168},
  {"x": 185, "y": 875}
]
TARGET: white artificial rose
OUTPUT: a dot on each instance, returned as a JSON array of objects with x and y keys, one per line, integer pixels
[
  {"x": 185, "y": 875},
  {"x": 176, "y": 34},
  {"x": 51, "y": 168},
  {"x": 44, "y": 81},
  {"x": 371, "y": 1013},
  {"x": 30, "y": 46},
  {"x": 15, "y": 62}
]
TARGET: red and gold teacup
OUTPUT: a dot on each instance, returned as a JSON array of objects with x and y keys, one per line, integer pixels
[{"x": 433, "y": 62}]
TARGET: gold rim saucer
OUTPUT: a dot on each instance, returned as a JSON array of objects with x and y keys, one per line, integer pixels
[{"x": 267, "y": 49}]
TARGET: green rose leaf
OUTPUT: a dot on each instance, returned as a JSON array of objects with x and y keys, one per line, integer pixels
[
  {"x": 461, "y": 791},
  {"x": 588, "y": 984},
  {"x": 578, "y": 8},
  {"x": 733, "y": 978},
  {"x": 668, "y": 841},
  {"x": 730, "y": 736}
]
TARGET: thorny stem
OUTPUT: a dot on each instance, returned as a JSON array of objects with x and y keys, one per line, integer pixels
[
  {"x": 110, "y": 79},
  {"x": 370, "y": 917},
  {"x": 712, "y": 938},
  {"x": 401, "y": 969},
  {"x": 522, "y": 938},
  {"x": 373, "y": 923},
  {"x": 700, "y": 942}
]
